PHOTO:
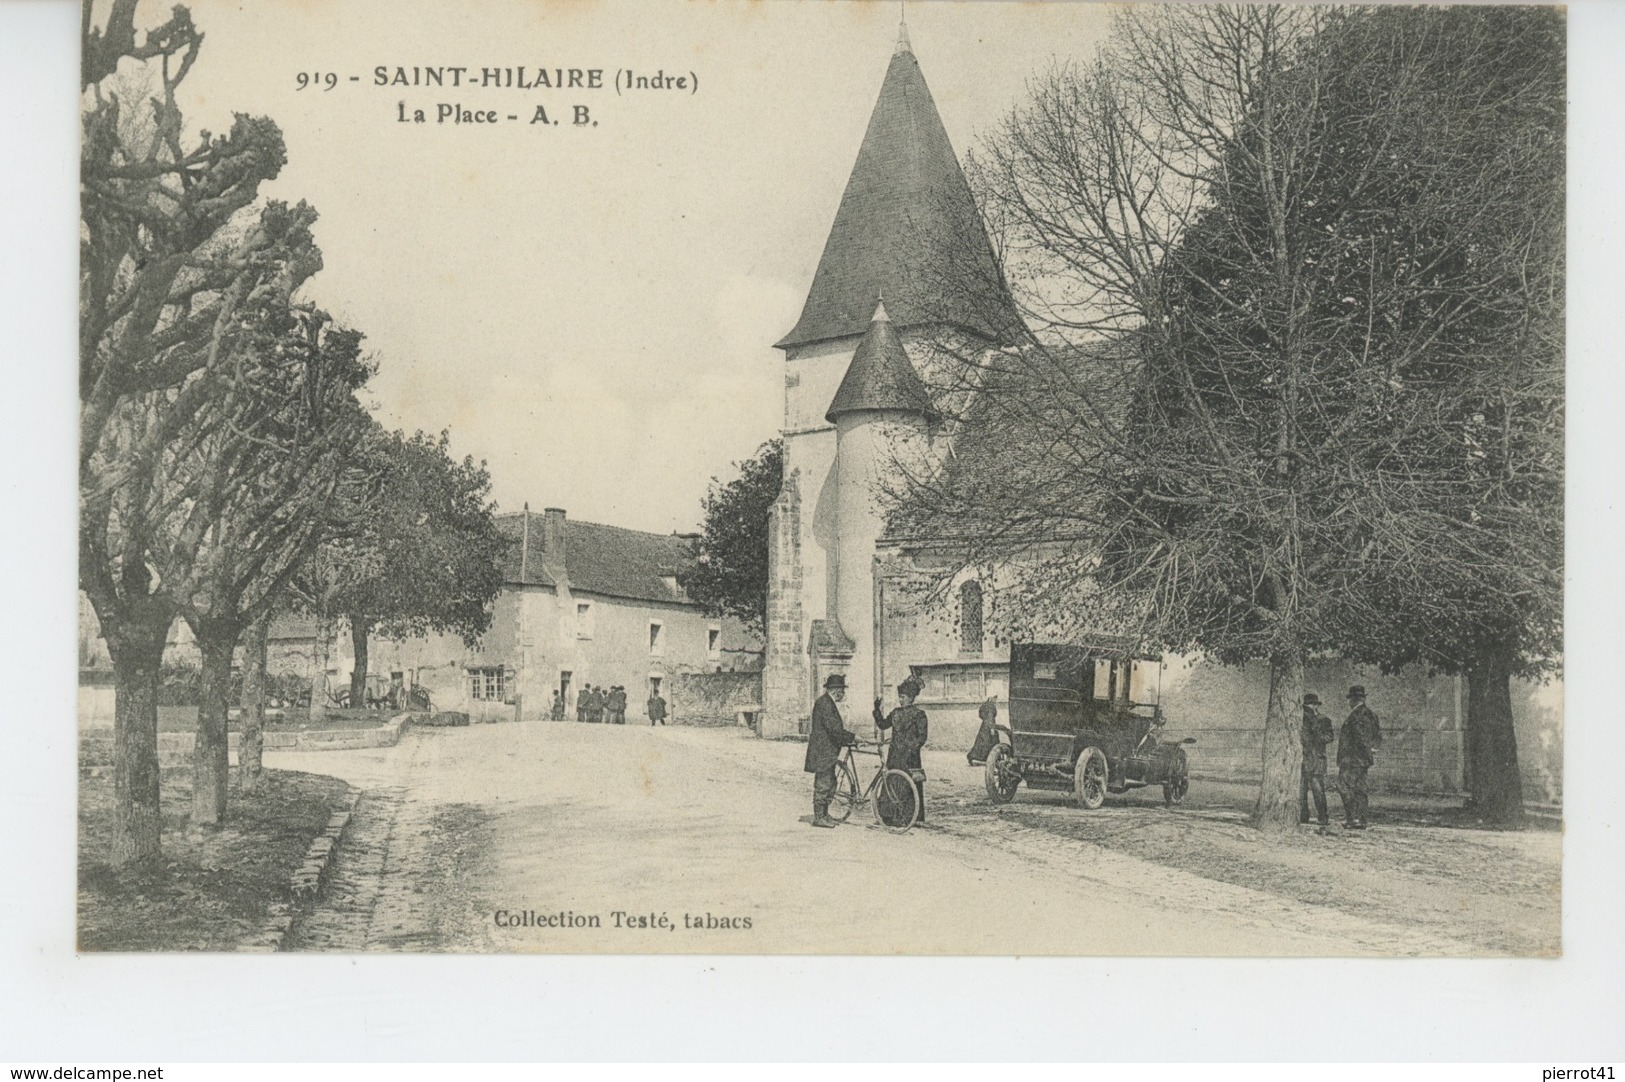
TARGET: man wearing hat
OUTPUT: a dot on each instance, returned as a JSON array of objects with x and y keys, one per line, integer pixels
[
  {"x": 908, "y": 728},
  {"x": 1357, "y": 742},
  {"x": 826, "y": 736},
  {"x": 1317, "y": 733}
]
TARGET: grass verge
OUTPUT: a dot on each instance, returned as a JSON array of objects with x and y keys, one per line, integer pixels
[{"x": 214, "y": 886}]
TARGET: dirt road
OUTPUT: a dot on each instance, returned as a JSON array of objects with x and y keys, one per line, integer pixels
[{"x": 577, "y": 838}]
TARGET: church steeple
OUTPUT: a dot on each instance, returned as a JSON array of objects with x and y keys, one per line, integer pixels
[
  {"x": 903, "y": 45},
  {"x": 907, "y": 223},
  {"x": 881, "y": 377}
]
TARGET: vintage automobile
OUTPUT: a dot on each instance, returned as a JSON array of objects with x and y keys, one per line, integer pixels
[{"x": 1085, "y": 719}]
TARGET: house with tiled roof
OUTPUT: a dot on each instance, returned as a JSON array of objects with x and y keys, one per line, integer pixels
[{"x": 581, "y": 604}]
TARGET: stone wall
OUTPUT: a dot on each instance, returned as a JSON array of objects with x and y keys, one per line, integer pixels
[
  {"x": 714, "y": 698},
  {"x": 785, "y": 681}
]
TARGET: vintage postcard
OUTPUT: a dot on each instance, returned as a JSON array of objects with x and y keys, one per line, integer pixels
[{"x": 821, "y": 478}]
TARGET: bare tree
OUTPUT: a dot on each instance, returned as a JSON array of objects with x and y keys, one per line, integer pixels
[
  {"x": 1238, "y": 283},
  {"x": 169, "y": 252}
]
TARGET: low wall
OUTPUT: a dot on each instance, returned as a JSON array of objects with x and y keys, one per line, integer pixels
[
  {"x": 713, "y": 698},
  {"x": 175, "y": 749}
]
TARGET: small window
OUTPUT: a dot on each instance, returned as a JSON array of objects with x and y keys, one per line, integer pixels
[
  {"x": 657, "y": 638},
  {"x": 1043, "y": 670},
  {"x": 487, "y": 685},
  {"x": 1103, "y": 678},
  {"x": 970, "y": 618},
  {"x": 713, "y": 642},
  {"x": 583, "y": 619}
]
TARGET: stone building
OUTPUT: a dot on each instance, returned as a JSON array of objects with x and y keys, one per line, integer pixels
[
  {"x": 859, "y": 382},
  {"x": 581, "y": 603}
]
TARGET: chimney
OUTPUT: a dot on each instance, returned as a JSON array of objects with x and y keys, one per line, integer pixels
[{"x": 553, "y": 537}]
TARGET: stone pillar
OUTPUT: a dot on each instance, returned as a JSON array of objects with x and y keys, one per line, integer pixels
[{"x": 786, "y": 687}]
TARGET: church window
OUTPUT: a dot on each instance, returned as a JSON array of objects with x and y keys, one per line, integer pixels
[{"x": 970, "y": 618}]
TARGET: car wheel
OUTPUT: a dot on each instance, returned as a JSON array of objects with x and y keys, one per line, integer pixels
[
  {"x": 1175, "y": 788},
  {"x": 1001, "y": 775},
  {"x": 1089, "y": 779}
]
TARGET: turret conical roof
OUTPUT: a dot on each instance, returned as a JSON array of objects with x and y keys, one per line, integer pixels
[
  {"x": 881, "y": 377},
  {"x": 906, "y": 223}
]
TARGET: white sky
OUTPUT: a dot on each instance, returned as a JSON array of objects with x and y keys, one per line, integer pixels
[{"x": 592, "y": 311}]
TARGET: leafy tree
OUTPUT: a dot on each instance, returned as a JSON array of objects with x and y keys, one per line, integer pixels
[
  {"x": 729, "y": 573},
  {"x": 170, "y": 253},
  {"x": 428, "y": 557}
]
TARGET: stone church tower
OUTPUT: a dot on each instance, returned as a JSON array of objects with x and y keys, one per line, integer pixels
[{"x": 855, "y": 402}]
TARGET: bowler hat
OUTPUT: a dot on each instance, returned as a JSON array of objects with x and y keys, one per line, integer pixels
[
  {"x": 1357, "y": 691},
  {"x": 836, "y": 680},
  {"x": 1311, "y": 699}
]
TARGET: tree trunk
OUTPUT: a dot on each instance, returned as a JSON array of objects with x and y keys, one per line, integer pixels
[
  {"x": 211, "y": 756},
  {"x": 360, "y": 628},
  {"x": 251, "y": 745},
  {"x": 1492, "y": 741},
  {"x": 318, "y": 668},
  {"x": 136, "y": 648},
  {"x": 1277, "y": 807}
]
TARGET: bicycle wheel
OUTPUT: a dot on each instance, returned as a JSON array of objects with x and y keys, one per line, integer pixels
[
  {"x": 897, "y": 801},
  {"x": 846, "y": 792}
]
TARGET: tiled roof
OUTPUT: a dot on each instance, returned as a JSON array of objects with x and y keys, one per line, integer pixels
[
  {"x": 906, "y": 221},
  {"x": 599, "y": 559},
  {"x": 881, "y": 377}
]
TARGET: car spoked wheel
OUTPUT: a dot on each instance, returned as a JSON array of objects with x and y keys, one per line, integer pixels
[
  {"x": 1089, "y": 779},
  {"x": 1178, "y": 783},
  {"x": 1001, "y": 776},
  {"x": 897, "y": 801}
]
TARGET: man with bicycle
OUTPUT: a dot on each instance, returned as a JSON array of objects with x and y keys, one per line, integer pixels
[{"x": 826, "y": 736}]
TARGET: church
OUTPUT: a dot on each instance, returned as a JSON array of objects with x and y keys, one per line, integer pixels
[{"x": 864, "y": 395}]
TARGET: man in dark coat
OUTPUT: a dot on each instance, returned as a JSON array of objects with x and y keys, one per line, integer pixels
[
  {"x": 583, "y": 700},
  {"x": 908, "y": 725},
  {"x": 826, "y": 736},
  {"x": 987, "y": 737},
  {"x": 656, "y": 708},
  {"x": 595, "y": 705},
  {"x": 617, "y": 705},
  {"x": 1317, "y": 733},
  {"x": 1357, "y": 742}
]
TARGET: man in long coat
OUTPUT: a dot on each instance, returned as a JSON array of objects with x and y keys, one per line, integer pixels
[
  {"x": 657, "y": 709},
  {"x": 1317, "y": 733},
  {"x": 1357, "y": 742},
  {"x": 826, "y": 736},
  {"x": 583, "y": 701},
  {"x": 617, "y": 705},
  {"x": 908, "y": 725}
]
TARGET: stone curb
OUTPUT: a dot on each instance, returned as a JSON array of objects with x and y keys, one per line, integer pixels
[
  {"x": 306, "y": 884},
  {"x": 175, "y": 749}
]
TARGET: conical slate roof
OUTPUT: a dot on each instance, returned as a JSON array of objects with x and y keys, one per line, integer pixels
[
  {"x": 907, "y": 220},
  {"x": 880, "y": 377}
]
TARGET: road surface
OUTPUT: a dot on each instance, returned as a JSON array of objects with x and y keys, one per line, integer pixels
[{"x": 591, "y": 838}]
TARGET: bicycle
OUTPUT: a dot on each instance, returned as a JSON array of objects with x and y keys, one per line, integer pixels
[{"x": 893, "y": 793}]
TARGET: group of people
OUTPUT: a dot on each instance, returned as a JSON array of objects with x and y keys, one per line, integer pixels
[
  {"x": 1357, "y": 742},
  {"x": 607, "y": 706}
]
